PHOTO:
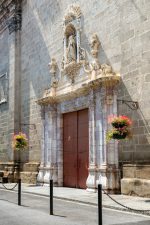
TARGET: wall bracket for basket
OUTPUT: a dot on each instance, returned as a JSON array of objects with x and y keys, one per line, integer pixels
[{"x": 131, "y": 104}]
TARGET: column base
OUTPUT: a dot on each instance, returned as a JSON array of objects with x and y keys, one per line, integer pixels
[
  {"x": 91, "y": 180},
  {"x": 109, "y": 178},
  {"x": 47, "y": 173}
]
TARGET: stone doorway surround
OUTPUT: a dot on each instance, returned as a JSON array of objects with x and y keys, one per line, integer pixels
[
  {"x": 99, "y": 96},
  {"x": 103, "y": 157}
]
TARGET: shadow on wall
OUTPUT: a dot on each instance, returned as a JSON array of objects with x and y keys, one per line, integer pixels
[
  {"x": 137, "y": 149},
  {"x": 37, "y": 50}
]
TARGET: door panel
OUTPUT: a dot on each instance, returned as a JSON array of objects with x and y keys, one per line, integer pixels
[
  {"x": 70, "y": 149},
  {"x": 76, "y": 148}
]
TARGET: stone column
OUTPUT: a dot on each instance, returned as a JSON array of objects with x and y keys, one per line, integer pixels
[
  {"x": 65, "y": 49},
  {"x": 91, "y": 180},
  {"x": 108, "y": 168},
  {"x": 59, "y": 136},
  {"x": 50, "y": 150},
  {"x": 78, "y": 44},
  {"x": 40, "y": 177},
  {"x": 14, "y": 26}
]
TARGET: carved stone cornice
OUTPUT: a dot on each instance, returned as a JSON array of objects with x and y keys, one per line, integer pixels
[
  {"x": 10, "y": 15},
  {"x": 81, "y": 89}
]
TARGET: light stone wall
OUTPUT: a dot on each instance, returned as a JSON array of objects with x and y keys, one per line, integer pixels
[{"x": 124, "y": 31}]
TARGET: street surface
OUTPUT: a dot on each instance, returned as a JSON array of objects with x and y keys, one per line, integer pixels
[{"x": 35, "y": 211}]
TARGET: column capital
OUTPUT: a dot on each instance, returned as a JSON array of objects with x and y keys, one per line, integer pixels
[
  {"x": 11, "y": 15},
  {"x": 15, "y": 22}
]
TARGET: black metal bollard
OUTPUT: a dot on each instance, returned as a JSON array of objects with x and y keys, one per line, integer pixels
[
  {"x": 19, "y": 191},
  {"x": 99, "y": 204},
  {"x": 51, "y": 197}
]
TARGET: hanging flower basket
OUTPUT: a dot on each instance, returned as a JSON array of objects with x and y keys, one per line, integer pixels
[
  {"x": 121, "y": 125},
  {"x": 20, "y": 141},
  {"x": 119, "y": 121}
]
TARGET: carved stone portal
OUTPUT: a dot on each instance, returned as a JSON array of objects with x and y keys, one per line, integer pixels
[{"x": 74, "y": 55}]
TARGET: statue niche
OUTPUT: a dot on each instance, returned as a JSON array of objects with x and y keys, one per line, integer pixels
[{"x": 74, "y": 55}]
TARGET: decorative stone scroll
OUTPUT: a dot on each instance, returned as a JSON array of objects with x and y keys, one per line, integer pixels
[
  {"x": 3, "y": 88},
  {"x": 74, "y": 55}
]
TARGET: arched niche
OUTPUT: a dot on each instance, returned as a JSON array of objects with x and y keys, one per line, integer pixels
[
  {"x": 70, "y": 44},
  {"x": 73, "y": 55}
]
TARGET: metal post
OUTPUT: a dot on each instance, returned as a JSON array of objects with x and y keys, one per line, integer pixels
[
  {"x": 51, "y": 197},
  {"x": 99, "y": 204},
  {"x": 19, "y": 191}
]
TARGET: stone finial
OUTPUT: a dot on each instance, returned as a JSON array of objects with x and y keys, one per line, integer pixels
[
  {"x": 53, "y": 69},
  {"x": 95, "y": 44},
  {"x": 53, "y": 66}
]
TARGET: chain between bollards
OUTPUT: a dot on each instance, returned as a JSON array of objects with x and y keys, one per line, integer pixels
[
  {"x": 19, "y": 191},
  {"x": 51, "y": 197},
  {"x": 99, "y": 204}
]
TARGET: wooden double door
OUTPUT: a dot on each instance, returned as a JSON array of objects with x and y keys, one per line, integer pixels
[{"x": 75, "y": 148}]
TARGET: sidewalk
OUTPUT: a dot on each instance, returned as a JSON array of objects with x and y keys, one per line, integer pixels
[{"x": 83, "y": 196}]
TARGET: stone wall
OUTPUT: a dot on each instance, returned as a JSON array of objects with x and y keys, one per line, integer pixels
[
  {"x": 136, "y": 180},
  {"x": 123, "y": 29},
  {"x": 4, "y": 106},
  {"x": 124, "y": 32},
  {"x": 135, "y": 68}
]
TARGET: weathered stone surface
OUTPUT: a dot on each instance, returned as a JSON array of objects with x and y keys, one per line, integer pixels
[
  {"x": 134, "y": 186},
  {"x": 29, "y": 177},
  {"x": 136, "y": 171}
]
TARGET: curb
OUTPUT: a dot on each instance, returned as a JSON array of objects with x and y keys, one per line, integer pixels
[
  {"x": 91, "y": 203},
  {"x": 83, "y": 202}
]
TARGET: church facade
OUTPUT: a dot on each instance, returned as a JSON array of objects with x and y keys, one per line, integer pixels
[{"x": 66, "y": 67}]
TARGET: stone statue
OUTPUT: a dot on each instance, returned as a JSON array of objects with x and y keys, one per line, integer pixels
[
  {"x": 94, "y": 43},
  {"x": 71, "y": 49},
  {"x": 107, "y": 70},
  {"x": 93, "y": 69},
  {"x": 52, "y": 66}
]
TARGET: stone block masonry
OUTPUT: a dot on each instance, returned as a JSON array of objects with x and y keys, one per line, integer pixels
[{"x": 124, "y": 32}]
